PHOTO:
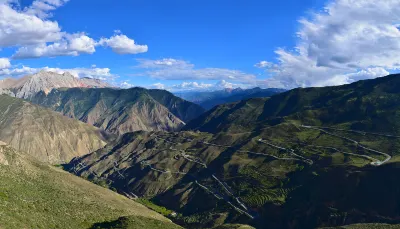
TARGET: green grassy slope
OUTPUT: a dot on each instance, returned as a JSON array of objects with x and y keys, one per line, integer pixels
[
  {"x": 36, "y": 195},
  {"x": 370, "y": 105}
]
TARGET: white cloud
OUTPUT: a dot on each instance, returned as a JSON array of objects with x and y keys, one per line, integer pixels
[
  {"x": 4, "y": 63},
  {"x": 349, "y": 41},
  {"x": 172, "y": 69},
  {"x": 97, "y": 73},
  {"x": 19, "y": 28},
  {"x": 36, "y": 35},
  {"x": 122, "y": 44},
  {"x": 71, "y": 45},
  {"x": 158, "y": 86},
  {"x": 191, "y": 86},
  {"x": 20, "y": 71},
  {"x": 163, "y": 63},
  {"x": 41, "y": 8},
  {"x": 126, "y": 84},
  {"x": 199, "y": 86}
]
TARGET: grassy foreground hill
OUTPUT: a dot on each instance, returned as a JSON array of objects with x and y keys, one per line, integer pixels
[
  {"x": 121, "y": 110},
  {"x": 306, "y": 158},
  {"x": 45, "y": 134},
  {"x": 37, "y": 195}
]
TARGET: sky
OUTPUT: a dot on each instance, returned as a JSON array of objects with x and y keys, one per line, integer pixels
[{"x": 183, "y": 45}]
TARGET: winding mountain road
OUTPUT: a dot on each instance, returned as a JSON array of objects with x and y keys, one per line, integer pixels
[{"x": 376, "y": 161}]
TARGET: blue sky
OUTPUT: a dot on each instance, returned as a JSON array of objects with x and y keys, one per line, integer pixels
[{"x": 198, "y": 45}]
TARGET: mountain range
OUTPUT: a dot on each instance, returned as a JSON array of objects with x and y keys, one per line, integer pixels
[
  {"x": 45, "y": 81},
  {"x": 210, "y": 99},
  {"x": 46, "y": 135},
  {"x": 305, "y": 158},
  {"x": 120, "y": 111}
]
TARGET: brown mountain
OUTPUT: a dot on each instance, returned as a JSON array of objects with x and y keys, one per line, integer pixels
[
  {"x": 29, "y": 85},
  {"x": 121, "y": 110},
  {"x": 45, "y": 134}
]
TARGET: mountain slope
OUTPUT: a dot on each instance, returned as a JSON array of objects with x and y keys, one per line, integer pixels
[
  {"x": 365, "y": 105},
  {"x": 305, "y": 158},
  {"x": 209, "y": 100},
  {"x": 121, "y": 111},
  {"x": 44, "y": 134},
  {"x": 29, "y": 85},
  {"x": 36, "y": 195}
]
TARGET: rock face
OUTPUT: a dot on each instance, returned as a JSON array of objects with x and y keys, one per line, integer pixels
[
  {"x": 28, "y": 86},
  {"x": 121, "y": 110},
  {"x": 44, "y": 134}
]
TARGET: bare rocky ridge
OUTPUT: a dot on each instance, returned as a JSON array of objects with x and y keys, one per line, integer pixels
[
  {"x": 44, "y": 134},
  {"x": 29, "y": 85},
  {"x": 121, "y": 111}
]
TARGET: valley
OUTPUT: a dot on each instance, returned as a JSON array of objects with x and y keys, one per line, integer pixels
[
  {"x": 200, "y": 114},
  {"x": 247, "y": 162}
]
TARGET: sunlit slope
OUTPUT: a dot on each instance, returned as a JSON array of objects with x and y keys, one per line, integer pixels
[
  {"x": 44, "y": 134},
  {"x": 36, "y": 195},
  {"x": 121, "y": 110},
  {"x": 370, "y": 105}
]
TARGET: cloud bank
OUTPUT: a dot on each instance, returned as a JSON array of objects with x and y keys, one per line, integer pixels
[{"x": 348, "y": 41}]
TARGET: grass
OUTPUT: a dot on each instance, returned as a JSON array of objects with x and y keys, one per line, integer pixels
[
  {"x": 36, "y": 195},
  {"x": 134, "y": 222},
  {"x": 162, "y": 210}
]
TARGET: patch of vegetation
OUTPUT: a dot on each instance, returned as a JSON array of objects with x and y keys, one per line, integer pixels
[
  {"x": 148, "y": 203},
  {"x": 134, "y": 222}
]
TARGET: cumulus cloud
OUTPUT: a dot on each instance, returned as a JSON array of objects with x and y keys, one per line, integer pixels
[
  {"x": 122, "y": 44},
  {"x": 172, "y": 69},
  {"x": 70, "y": 45},
  {"x": 163, "y": 63},
  {"x": 157, "y": 86},
  {"x": 350, "y": 40},
  {"x": 198, "y": 86},
  {"x": 4, "y": 63},
  {"x": 126, "y": 84},
  {"x": 96, "y": 73},
  {"x": 36, "y": 35},
  {"x": 19, "y": 28},
  {"x": 41, "y": 8},
  {"x": 192, "y": 86}
]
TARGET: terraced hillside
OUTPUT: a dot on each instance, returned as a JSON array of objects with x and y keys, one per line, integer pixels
[
  {"x": 369, "y": 105},
  {"x": 306, "y": 158},
  {"x": 44, "y": 134},
  {"x": 120, "y": 111},
  {"x": 37, "y": 195}
]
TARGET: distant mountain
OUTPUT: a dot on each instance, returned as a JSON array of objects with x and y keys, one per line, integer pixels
[
  {"x": 365, "y": 105},
  {"x": 44, "y": 134},
  {"x": 209, "y": 100},
  {"x": 306, "y": 158},
  {"x": 121, "y": 110},
  {"x": 29, "y": 85},
  {"x": 37, "y": 195}
]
